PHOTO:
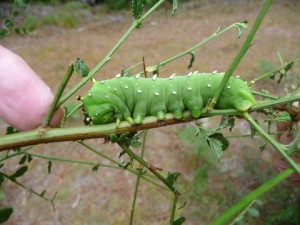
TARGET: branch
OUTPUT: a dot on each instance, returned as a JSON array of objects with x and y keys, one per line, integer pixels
[{"x": 100, "y": 131}]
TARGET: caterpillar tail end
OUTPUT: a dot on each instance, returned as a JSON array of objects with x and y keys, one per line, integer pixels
[{"x": 130, "y": 120}]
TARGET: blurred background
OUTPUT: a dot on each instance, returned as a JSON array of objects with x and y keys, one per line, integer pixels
[{"x": 61, "y": 31}]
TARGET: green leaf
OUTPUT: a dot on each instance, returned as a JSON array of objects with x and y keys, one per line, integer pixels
[
  {"x": 95, "y": 168},
  {"x": 29, "y": 158},
  {"x": 10, "y": 130},
  {"x": 240, "y": 27},
  {"x": 81, "y": 68},
  {"x": 49, "y": 166},
  {"x": 172, "y": 178},
  {"x": 3, "y": 33},
  {"x": 8, "y": 23},
  {"x": 137, "y": 8},
  {"x": 216, "y": 147},
  {"x": 23, "y": 159},
  {"x": 20, "y": 172},
  {"x": 174, "y": 6},
  {"x": 43, "y": 193},
  {"x": 222, "y": 139},
  {"x": 21, "y": 3},
  {"x": 1, "y": 179},
  {"x": 253, "y": 212},
  {"x": 113, "y": 138},
  {"x": 179, "y": 221},
  {"x": 192, "y": 53},
  {"x": 5, "y": 213},
  {"x": 283, "y": 117}
]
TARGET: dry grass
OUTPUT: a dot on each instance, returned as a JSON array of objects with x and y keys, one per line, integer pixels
[{"x": 104, "y": 197}]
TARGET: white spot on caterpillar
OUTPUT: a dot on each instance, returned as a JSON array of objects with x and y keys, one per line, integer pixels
[
  {"x": 139, "y": 91},
  {"x": 156, "y": 93},
  {"x": 214, "y": 72},
  {"x": 107, "y": 108},
  {"x": 126, "y": 87},
  {"x": 189, "y": 88},
  {"x": 228, "y": 87},
  {"x": 174, "y": 92},
  {"x": 90, "y": 95},
  {"x": 115, "y": 89},
  {"x": 106, "y": 96},
  {"x": 97, "y": 114},
  {"x": 137, "y": 76},
  {"x": 172, "y": 76},
  {"x": 102, "y": 81},
  {"x": 195, "y": 72},
  {"x": 222, "y": 73},
  {"x": 237, "y": 76},
  {"x": 118, "y": 75},
  {"x": 190, "y": 74},
  {"x": 209, "y": 85},
  {"x": 154, "y": 77}
]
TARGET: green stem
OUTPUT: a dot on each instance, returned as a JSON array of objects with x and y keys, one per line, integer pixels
[
  {"x": 240, "y": 55},
  {"x": 265, "y": 95},
  {"x": 100, "y": 131},
  {"x": 138, "y": 178},
  {"x": 60, "y": 90},
  {"x": 134, "y": 25},
  {"x": 173, "y": 211},
  {"x": 190, "y": 50},
  {"x": 24, "y": 187},
  {"x": 255, "y": 194},
  {"x": 61, "y": 159},
  {"x": 148, "y": 166},
  {"x": 144, "y": 177},
  {"x": 271, "y": 72},
  {"x": 279, "y": 147}
]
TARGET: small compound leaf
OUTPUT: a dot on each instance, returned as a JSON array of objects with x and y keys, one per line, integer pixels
[
  {"x": 253, "y": 212},
  {"x": 5, "y": 213},
  {"x": 3, "y": 33},
  {"x": 10, "y": 130},
  {"x": 179, "y": 221},
  {"x": 172, "y": 178},
  {"x": 29, "y": 158},
  {"x": 43, "y": 193},
  {"x": 20, "y": 172},
  {"x": 137, "y": 8},
  {"x": 192, "y": 59},
  {"x": 222, "y": 139},
  {"x": 81, "y": 68},
  {"x": 113, "y": 138},
  {"x": 23, "y": 159},
  {"x": 263, "y": 145},
  {"x": 174, "y": 6},
  {"x": 21, "y": 3},
  {"x": 95, "y": 168},
  {"x": 283, "y": 117},
  {"x": 1, "y": 179},
  {"x": 216, "y": 148},
  {"x": 9, "y": 24},
  {"x": 240, "y": 27},
  {"x": 49, "y": 166}
]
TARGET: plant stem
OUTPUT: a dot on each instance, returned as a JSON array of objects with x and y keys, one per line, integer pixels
[
  {"x": 279, "y": 147},
  {"x": 188, "y": 51},
  {"x": 59, "y": 92},
  {"x": 240, "y": 55},
  {"x": 138, "y": 178},
  {"x": 134, "y": 25},
  {"x": 148, "y": 166},
  {"x": 255, "y": 194},
  {"x": 173, "y": 211},
  {"x": 265, "y": 95},
  {"x": 61, "y": 159},
  {"x": 145, "y": 176},
  {"x": 100, "y": 131}
]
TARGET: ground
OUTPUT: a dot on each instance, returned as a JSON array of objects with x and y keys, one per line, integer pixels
[{"x": 208, "y": 188}]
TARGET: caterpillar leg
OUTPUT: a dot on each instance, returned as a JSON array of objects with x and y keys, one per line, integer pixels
[
  {"x": 161, "y": 115},
  {"x": 195, "y": 111},
  {"x": 138, "y": 118},
  {"x": 177, "y": 114}
]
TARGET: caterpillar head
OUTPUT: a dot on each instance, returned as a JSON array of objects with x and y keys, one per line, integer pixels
[{"x": 100, "y": 114}]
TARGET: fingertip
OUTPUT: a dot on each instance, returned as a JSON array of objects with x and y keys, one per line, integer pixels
[{"x": 57, "y": 118}]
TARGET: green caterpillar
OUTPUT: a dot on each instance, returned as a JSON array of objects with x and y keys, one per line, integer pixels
[{"x": 134, "y": 98}]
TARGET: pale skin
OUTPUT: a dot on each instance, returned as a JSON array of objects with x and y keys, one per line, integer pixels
[{"x": 24, "y": 97}]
